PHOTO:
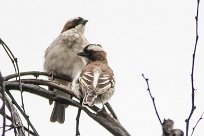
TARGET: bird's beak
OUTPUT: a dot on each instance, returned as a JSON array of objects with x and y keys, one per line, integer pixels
[
  {"x": 84, "y": 21},
  {"x": 83, "y": 54}
]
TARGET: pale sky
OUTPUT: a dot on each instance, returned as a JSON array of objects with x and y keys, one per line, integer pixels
[{"x": 151, "y": 37}]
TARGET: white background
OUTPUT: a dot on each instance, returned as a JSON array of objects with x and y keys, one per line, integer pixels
[{"x": 151, "y": 37}]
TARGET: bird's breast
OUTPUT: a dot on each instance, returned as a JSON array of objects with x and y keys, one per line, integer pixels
[{"x": 64, "y": 61}]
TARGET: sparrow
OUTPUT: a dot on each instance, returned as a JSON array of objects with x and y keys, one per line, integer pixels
[
  {"x": 61, "y": 58},
  {"x": 168, "y": 129},
  {"x": 96, "y": 79},
  {"x": 168, "y": 125}
]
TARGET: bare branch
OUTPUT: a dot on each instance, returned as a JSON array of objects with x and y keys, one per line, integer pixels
[
  {"x": 2, "y": 90},
  {"x": 23, "y": 127},
  {"x": 103, "y": 118},
  {"x": 37, "y": 74},
  {"x": 15, "y": 118},
  {"x": 153, "y": 99},
  {"x": 201, "y": 117},
  {"x": 62, "y": 88},
  {"x": 9, "y": 53},
  {"x": 193, "y": 107},
  {"x": 16, "y": 67},
  {"x": 111, "y": 110},
  {"x": 77, "y": 120},
  {"x": 22, "y": 112},
  {"x": 49, "y": 83}
]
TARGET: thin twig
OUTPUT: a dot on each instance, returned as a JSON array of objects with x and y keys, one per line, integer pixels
[
  {"x": 9, "y": 53},
  {"x": 11, "y": 127},
  {"x": 23, "y": 113},
  {"x": 77, "y": 120},
  {"x": 111, "y": 110},
  {"x": 201, "y": 117},
  {"x": 15, "y": 118},
  {"x": 10, "y": 119},
  {"x": 16, "y": 67},
  {"x": 193, "y": 107},
  {"x": 2, "y": 90},
  {"x": 7, "y": 116},
  {"x": 153, "y": 99}
]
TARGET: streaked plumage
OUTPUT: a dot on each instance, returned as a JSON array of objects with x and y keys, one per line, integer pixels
[
  {"x": 96, "y": 79},
  {"x": 61, "y": 58}
]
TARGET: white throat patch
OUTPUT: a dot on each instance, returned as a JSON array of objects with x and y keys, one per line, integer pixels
[{"x": 95, "y": 47}]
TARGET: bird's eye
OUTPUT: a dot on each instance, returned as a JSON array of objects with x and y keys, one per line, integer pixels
[
  {"x": 99, "y": 45},
  {"x": 80, "y": 18}
]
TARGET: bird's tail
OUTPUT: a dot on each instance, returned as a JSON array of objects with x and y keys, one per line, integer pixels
[{"x": 58, "y": 113}]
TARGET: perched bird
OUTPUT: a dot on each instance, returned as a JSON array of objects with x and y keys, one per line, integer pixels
[
  {"x": 61, "y": 58},
  {"x": 168, "y": 129},
  {"x": 96, "y": 80},
  {"x": 168, "y": 126}
]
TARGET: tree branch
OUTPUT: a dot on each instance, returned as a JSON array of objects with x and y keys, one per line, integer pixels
[
  {"x": 9, "y": 53},
  {"x": 10, "y": 119},
  {"x": 77, "y": 120},
  {"x": 103, "y": 118},
  {"x": 14, "y": 60},
  {"x": 15, "y": 118},
  {"x": 37, "y": 74},
  {"x": 22, "y": 112},
  {"x": 153, "y": 99},
  {"x": 193, "y": 107},
  {"x": 2, "y": 90},
  {"x": 201, "y": 117}
]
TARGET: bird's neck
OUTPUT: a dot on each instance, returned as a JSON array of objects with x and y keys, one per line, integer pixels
[
  {"x": 104, "y": 61},
  {"x": 80, "y": 28}
]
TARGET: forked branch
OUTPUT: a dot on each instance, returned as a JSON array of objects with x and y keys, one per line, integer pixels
[
  {"x": 103, "y": 118},
  {"x": 193, "y": 107}
]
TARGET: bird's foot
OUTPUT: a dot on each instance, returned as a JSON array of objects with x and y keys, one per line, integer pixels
[
  {"x": 51, "y": 75},
  {"x": 102, "y": 110}
]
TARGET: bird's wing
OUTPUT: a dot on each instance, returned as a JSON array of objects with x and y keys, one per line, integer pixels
[
  {"x": 105, "y": 81},
  {"x": 54, "y": 43},
  {"x": 97, "y": 81},
  {"x": 86, "y": 80}
]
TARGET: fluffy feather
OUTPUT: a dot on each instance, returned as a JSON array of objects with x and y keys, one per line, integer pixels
[
  {"x": 61, "y": 58},
  {"x": 96, "y": 79}
]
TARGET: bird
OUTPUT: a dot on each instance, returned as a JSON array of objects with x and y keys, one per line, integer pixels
[
  {"x": 96, "y": 80},
  {"x": 61, "y": 58},
  {"x": 168, "y": 129},
  {"x": 168, "y": 125}
]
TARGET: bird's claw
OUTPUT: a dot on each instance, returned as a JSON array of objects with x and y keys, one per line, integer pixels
[{"x": 51, "y": 75}]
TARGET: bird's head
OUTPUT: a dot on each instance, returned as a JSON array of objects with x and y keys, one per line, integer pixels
[
  {"x": 73, "y": 23},
  {"x": 93, "y": 52},
  {"x": 168, "y": 126}
]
